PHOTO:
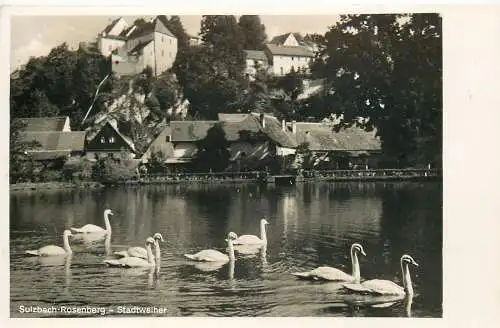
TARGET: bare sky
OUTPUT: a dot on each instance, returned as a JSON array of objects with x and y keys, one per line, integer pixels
[{"x": 36, "y": 35}]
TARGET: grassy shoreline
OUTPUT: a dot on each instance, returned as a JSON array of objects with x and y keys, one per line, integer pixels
[{"x": 43, "y": 186}]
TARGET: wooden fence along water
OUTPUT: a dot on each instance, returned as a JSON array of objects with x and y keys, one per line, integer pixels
[{"x": 303, "y": 176}]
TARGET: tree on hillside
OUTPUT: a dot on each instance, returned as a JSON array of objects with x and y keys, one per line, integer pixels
[
  {"x": 257, "y": 98},
  {"x": 388, "y": 68},
  {"x": 212, "y": 75},
  {"x": 254, "y": 32}
]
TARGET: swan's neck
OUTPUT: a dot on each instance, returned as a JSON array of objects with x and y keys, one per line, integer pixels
[
  {"x": 263, "y": 232},
  {"x": 231, "y": 269},
  {"x": 407, "y": 285},
  {"x": 150, "y": 253},
  {"x": 157, "y": 250},
  {"x": 67, "y": 248},
  {"x": 231, "y": 250},
  {"x": 107, "y": 224},
  {"x": 355, "y": 266}
]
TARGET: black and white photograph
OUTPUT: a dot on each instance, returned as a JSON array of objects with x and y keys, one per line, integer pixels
[{"x": 226, "y": 165}]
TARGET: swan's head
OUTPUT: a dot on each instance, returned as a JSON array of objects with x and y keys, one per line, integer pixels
[
  {"x": 108, "y": 212},
  {"x": 408, "y": 260},
  {"x": 358, "y": 248},
  {"x": 264, "y": 221},
  {"x": 150, "y": 241},
  {"x": 67, "y": 233},
  {"x": 231, "y": 236},
  {"x": 157, "y": 236}
]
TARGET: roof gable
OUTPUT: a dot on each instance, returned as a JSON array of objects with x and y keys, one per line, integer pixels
[
  {"x": 93, "y": 135},
  {"x": 150, "y": 27}
]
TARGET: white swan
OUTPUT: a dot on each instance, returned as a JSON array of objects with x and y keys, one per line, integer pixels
[
  {"x": 252, "y": 239},
  {"x": 92, "y": 228},
  {"x": 139, "y": 252},
  {"x": 135, "y": 262},
  {"x": 211, "y": 255},
  {"x": 387, "y": 287},
  {"x": 333, "y": 274},
  {"x": 52, "y": 250}
]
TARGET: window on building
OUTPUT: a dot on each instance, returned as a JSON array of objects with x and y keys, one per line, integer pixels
[
  {"x": 103, "y": 140},
  {"x": 170, "y": 41},
  {"x": 163, "y": 53},
  {"x": 281, "y": 70},
  {"x": 111, "y": 139},
  {"x": 292, "y": 58},
  {"x": 170, "y": 55},
  {"x": 110, "y": 47},
  {"x": 162, "y": 39},
  {"x": 167, "y": 138}
]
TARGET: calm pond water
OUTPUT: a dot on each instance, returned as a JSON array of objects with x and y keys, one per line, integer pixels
[{"x": 310, "y": 225}]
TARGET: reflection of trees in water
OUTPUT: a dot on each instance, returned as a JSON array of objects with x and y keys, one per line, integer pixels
[{"x": 412, "y": 223}]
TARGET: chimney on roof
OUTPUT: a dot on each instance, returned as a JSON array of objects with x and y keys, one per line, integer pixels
[
  {"x": 283, "y": 125},
  {"x": 294, "y": 127},
  {"x": 262, "y": 120}
]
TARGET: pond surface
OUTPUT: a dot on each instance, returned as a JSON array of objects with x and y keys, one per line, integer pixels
[{"x": 310, "y": 225}]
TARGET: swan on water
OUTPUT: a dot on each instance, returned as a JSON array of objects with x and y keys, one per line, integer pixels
[
  {"x": 52, "y": 250},
  {"x": 211, "y": 255},
  {"x": 139, "y": 252},
  {"x": 387, "y": 287},
  {"x": 333, "y": 274},
  {"x": 135, "y": 262},
  {"x": 252, "y": 239},
  {"x": 92, "y": 228}
]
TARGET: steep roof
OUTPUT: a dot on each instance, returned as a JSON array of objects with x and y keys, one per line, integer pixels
[
  {"x": 56, "y": 141},
  {"x": 322, "y": 137},
  {"x": 110, "y": 26},
  {"x": 149, "y": 27},
  {"x": 44, "y": 123},
  {"x": 189, "y": 131},
  {"x": 256, "y": 55},
  {"x": 140, "y": 46},
  {"x": 289, "y": 50},
  {"x": 280, "y": 39}
]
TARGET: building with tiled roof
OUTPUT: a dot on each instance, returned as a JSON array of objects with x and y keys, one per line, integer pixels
[
  {"x": 284, "y": 59},
  {"x": 257, "y": 137},
  {"x": 133, "y": 48},
  {"x": 255, "y": 59},
  {"x": 54, "y": 137}
]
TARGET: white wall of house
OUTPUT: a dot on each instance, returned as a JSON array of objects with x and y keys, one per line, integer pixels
[
  {"x": 132, "y": 43},
  {"x": 106, "y": 46},
  {"x": 283, "y": 64},
  {"x": 165, "y": 50}
]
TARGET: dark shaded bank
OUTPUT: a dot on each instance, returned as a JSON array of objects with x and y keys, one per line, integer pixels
[{"x": 43, "y": 186}]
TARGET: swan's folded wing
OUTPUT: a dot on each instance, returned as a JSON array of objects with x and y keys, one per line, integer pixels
[
  {"x": 383, "y": 287},
  {"x": 51, "y": 250},
  {"x": 211, "y": 255},
  {"x": 329, "y": 273},
  {"x": 359, "y": 288},
  {"x": 247, "y": 239},
  {"x": 138, "y": 252}
]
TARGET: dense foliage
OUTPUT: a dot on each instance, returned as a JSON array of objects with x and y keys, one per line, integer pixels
[{"x": 387, "y": 68}]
